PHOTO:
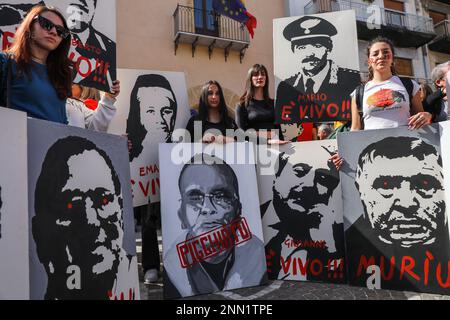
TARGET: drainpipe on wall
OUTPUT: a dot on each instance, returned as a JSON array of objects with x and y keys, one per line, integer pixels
[
  {"x": 420, "y": 6},
  {"x": 424, "y": 60}
]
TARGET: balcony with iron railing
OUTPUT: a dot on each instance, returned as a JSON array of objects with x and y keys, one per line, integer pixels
[
  {"x": 442, "y": 41},
  {"x": 407, "y": 30},
  {"x": 198, "y": 27}
]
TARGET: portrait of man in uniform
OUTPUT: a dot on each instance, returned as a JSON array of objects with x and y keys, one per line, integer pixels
[{"x": 318, "y": 79}]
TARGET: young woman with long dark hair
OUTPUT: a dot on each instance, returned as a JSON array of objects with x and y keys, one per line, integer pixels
[
  {"x": 213, "y": 116},
  {"x": 39, "y": 67},
  {"x": 256, "y": 108}
]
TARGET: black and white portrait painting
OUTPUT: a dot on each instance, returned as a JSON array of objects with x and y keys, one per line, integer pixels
[
  {"x": 302, "y": 215},
  {"x": 14, "y": 264},
  {"x": 82, "y": 228},
  {"x": 153, "y": 104},
  {"x": 93, "y": 28},
  {"x": 395, "y": 209},
  {"x": 11, "y": 14},
  {"x": 316, "y": 67},
  {"x": 211, "y": 224}
]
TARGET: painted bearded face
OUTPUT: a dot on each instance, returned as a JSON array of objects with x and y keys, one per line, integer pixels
[
  {"x": 302, "y": 193},
  {"x": 403, "y": 198}
]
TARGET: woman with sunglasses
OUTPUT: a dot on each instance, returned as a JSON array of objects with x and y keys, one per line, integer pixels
[
  {"x": 213, "y": 116},
  {"x": 39, "y": 67}
]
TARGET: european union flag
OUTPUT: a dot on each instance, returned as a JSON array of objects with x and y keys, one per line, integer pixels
[{"x": 236, "y": 10}]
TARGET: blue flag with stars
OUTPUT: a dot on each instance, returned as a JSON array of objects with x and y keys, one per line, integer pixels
[{"x": 236, "y": 10}]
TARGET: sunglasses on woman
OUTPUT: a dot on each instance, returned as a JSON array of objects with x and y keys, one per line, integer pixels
[{"x": 48, "y": 25}]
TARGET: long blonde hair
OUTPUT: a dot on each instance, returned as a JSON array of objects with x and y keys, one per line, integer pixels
[{"x": 89, "y": 93}]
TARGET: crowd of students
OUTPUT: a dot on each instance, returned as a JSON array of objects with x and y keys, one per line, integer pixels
[{"x": 36, "y": 77}]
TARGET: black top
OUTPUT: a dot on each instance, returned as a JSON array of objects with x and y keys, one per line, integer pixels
[
  {"x": 257, "y": 115},
  {"x": 433, "y": 103},
  {"x": 206, "y": 125}
]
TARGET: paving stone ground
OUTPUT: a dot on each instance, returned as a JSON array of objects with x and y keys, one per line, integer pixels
[{"x": 289, "y": 290}]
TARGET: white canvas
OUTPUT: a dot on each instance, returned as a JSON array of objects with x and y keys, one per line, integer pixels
[
  {"x": 14, "y": 266},
  {"x": 161, "y": 121},
  {"x": 323, "y": 48},
  {"x": 82, "y": 239},
  {"x": 301, "y": 206},
  {"x": 345, "y": 47},
  {"x": 395, "y": 191},
  {"x": 248, "y": 267}
]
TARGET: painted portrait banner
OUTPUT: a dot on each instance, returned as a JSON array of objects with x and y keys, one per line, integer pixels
[
  {"x": 301, "y": 207},
  {"x": 211, "y": 223},
  {"x": 82, "y": 240},
  {"x": 316, "y": 67},
  {"x": 93, "y": 28},
  {"x": 151, "y": 105},
  {"x": 395, "y": 185},
  {"x": 14, "y": 264}
]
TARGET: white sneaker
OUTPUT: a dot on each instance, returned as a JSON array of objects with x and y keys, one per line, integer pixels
[{"x": 151, "y": 276}]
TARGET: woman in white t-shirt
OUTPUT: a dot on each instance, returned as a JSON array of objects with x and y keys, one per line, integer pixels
[{"x": 386, "y": 102}]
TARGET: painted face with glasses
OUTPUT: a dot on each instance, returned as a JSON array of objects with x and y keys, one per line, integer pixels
[
  {"x": 48, "y": 31},
  {"x": 209, "y": 198}
]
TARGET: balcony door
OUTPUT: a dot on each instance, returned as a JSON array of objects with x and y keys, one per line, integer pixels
[
  {"x": 206, "y": 21},
  {"x": 404, "y": 67},
  {"x": 394, "y": 13},
  {"x": 437, "y": 16}
]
